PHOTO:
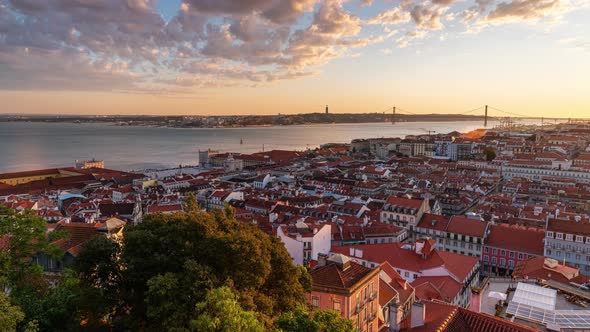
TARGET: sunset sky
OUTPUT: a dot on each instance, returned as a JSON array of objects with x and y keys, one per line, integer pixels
[{"x": 294, "y": 56}]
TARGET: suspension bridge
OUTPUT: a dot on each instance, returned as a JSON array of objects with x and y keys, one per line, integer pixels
[{"x": 506, "y": 118}]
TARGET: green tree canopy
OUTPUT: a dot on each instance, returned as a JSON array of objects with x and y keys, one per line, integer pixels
[
  {"x": 191, "y": 271},
  {"x": 168, "y": 264},
  {"x": 490, "y": 153},
  {"x": 190, "y": 204},
  {"x": 221, "y": 312},
  {"x": 302, "y": 320},
  {"x": 10, "y": 315},
  {"x": 23, "y": 235}
]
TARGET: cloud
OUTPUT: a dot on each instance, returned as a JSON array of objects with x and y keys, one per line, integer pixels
[
  {"x": 445, "y": 2},
  {"x": 126, "y": 45},
  {"x": 62, "y": 69},
  {"x": 278, "y": 11},
  {"x": 332, "y": 31},
  {"x": 395, "y": 15},
  {"x": 428, "y": 17},
  {"x": 523, "y": 10},
  {"x": 408, "y": 37},
  {"x": 207, "y": 43}
]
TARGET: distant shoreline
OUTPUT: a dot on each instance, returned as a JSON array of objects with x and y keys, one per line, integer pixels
[{"x": 221, "y": 122}]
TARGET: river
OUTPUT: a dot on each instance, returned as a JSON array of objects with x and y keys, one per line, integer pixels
[{"x": 34, "y": 145}]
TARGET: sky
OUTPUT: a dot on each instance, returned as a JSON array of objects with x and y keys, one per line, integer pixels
[{"x": 225, "y": 57}]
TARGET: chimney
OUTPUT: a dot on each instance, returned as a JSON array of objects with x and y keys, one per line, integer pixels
[
  {"x": 418, "y": 315},
  {"x": 322, "y": 259}
]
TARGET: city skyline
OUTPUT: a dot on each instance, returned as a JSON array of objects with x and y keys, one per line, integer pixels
[{"x": 203, "y": 57}]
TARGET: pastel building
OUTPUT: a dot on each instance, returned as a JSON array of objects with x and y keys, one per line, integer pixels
[
  {"x": 304, "y": 242},
  {"x": 507, "y": 245},
  {"x": 342, "y": 285}
]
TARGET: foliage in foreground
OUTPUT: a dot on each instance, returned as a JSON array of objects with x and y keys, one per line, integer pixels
[{"x": 190, "y": 271}]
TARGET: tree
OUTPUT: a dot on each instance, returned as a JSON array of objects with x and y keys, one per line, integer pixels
[
  {"x": 10, "y": 315},
  {"x": 52, "y": 310},
  {"x": 168, "y": 264},
  {"x": 172, "y": 298},
  {"x": 101, "y": 281},
  {"x": 301, "y": 320},
  {"x": 191, "y": 204},
  {"x": 221, "y": 312},
  {"x": 23, "y": 236},
  {"x": 490, "y": 153}
]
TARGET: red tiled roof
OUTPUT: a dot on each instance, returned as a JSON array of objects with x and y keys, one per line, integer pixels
[
  {"x": 442, "y": 288},
  {"x": 445, "y": 317},
  {"x": 386, "y": 293},
  {"x": 527, "y": 240},
  {"x": 466, "y": 226},
  {"x": 23, "y": 174},
  {"x": 78, "y": 234},
  {"x": 401, "y": 286},
  {"x": 334, "y": 277},
  {"x": 535, "y": 268},
  {"x": 571, "y": 227},
  {"x": 410, "y": 203},
  {"x": 458, "y": 265},
  {"x": 381, "y": 228},
  {"x": 434, "y": 222},
  {"x": 435, "y": 316}
]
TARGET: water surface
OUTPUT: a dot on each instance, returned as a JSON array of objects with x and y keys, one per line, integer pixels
[{"x": 33, "y": 145}]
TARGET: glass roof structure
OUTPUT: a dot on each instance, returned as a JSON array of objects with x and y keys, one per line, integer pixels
[
  {"x": 535, "y": 296},
  {"x": 537, "y": 304}
]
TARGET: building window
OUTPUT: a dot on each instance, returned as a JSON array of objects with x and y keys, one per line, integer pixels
[
  {"x": 486, "y": 250},
  {"x": 503, "y": 253},
  {"x": 502, "y": 261},
  {"x": 315, "y": 301},
  {"x": 485, "y": 258},
  {"x": 415, "y": 276},
  {"x": 494, "y": 260},
  {"x": 406, "y": 274},
  {"x": 559, "y": 236},
  {"x": 337, "y": 305},
  {"x": 494, "y": 251},
  {"x": 569, "y": 237},
  {"x": 579, "y": 239},
  {"x": 512, "y": 254}
]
